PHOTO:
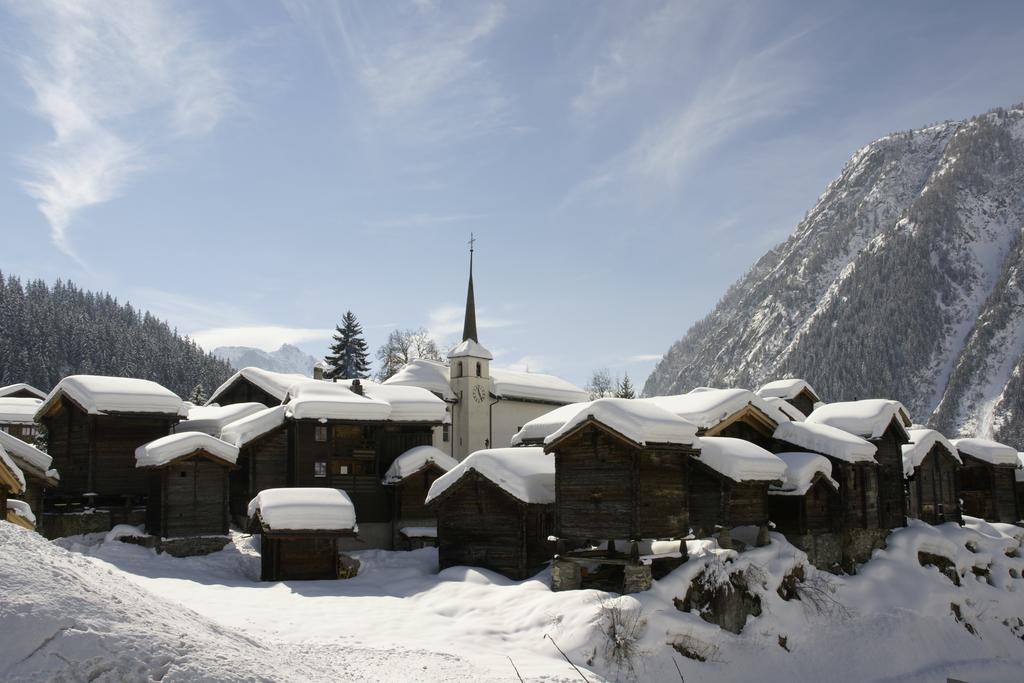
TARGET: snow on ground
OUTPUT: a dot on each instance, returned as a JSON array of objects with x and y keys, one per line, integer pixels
[{"x": 131, "y": 613}]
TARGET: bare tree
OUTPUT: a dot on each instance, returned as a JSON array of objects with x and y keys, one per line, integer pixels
[
  {"x": 403, "y": 346},
  {"x": 601, "y": 384}
]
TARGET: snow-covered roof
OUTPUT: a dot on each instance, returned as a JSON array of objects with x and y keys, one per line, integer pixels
[
  {"x": 1019, "y": 474},
  {"x": 13, "y": 471},
  {"x": 534, "y": 386},
  {"x": 468, "y": 347},
  {"x": 801, "y": 469},
  {"x": 18, "y": 410},
  {"x": 431, "y": 375},
  {"x": 785, "y": 408},
  {"x": 921, "y": 443},
  {"x": 415, "y": 459},
  {"x": 28, "y": 457},
  {"x": 740, "y": 460},
  {"x": 707, "y": 407},
  {"x": 22, "y": 509},
  {"x": 20, "y": 387},
  {"x": 304, "y": 509},
  {"x": 315, "y": 399},
  {"x": 526, "y": 473},
  {"x": 251, "y": 427},
  {"x": 539, "y": 428},
  {"x": 868, "y": 418},
  {"x": 786, "y": 388},
  {"x": 169, "y": 448},
  {"x": 98, "y": 395},
  {"x": 639, "y": 421},
  {"x": 986, "y": 450},
  {"x": 276, "y": 384},
  {"x": 831, "y": 441},
  {"x": 212, "y": 419}
]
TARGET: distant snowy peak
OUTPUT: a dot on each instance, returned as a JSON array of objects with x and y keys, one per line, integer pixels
[
  {"x": 904, "y": 281},
  {"x": 287, "y": 359}
]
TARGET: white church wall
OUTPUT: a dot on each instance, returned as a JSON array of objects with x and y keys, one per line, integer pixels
[{"x": 510, "y": 416}]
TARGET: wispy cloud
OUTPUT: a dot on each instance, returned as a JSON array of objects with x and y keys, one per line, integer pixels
[
  {"x": 422, "y": 68},
  {"x": 735, "y": 85},
  {"x": 266, "y": 337},
  {"x": 446, "y": 322},
  {"x": 643, "y": 358},
  {"x": 113, "y": 79}
]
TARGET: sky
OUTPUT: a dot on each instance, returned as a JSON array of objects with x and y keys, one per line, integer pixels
[{"x": 251, "y": 169}]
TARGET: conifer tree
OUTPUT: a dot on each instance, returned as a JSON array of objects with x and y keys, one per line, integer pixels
[
  {"x": 349, "y": 358},
  {"x": 625, "y": 389},
  {"x": 198, "y": 395}
]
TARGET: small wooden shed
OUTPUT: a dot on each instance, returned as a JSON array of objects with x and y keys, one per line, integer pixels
[
  {"x": 37, "y": 468},
  {"x": 807, "y": 501},
  {"x": 94, "y": 424},
  {"x": 729, "y": 483},
  {"x": 410, "y": 477},
  {"x": 621, "y": 472},
  {"x": 931, "y": 466},
  {"x": 853, "y": 467},
  {"x": 21, "y": 390},
  {"x": 255, "y": 385},
  {"x": 987, "y": 481},
  {"x": 883, "y": 423},
  {"x": 263, "y": 440},
  {"x": 18, "y": 417},
  {"x": 12, "y": 483},
  {"x": 300, "y": 532},
  {"x": 188, "y": 484},
  {"x": 496, "y": 510},
  {"x": 796, "y": 392}
]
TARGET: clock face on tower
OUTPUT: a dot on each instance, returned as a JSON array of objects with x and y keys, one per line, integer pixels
[{"x": 479, "y": 393}]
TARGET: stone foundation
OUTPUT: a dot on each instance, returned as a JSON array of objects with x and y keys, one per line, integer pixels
[
  {"x": 824, "y": 551},
  {"x": 189, "y": 546},
  {"x": 858, "y": 544},
  {"x": 59, "y": 524},
  {"x": 566, "y": 576},
  {"x": 636, "y": 578}
]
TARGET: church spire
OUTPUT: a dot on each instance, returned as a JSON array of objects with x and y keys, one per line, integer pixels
[{"x": 469, "y": 325}]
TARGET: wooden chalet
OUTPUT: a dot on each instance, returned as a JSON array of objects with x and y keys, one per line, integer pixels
[
  {"x": 853, "y": 467},
  {"x": 807, "y": 501},
  {"x": 94, "y": 424},
  {"x": 18, "y": 417},
  {"x": 410, "y": 477},
  {"x": 735, "y": 413},
  {"x": 188, "y": 484},
  {"x": 931, "y": 466},
  {"x": 729, "y": 483},
  {"x": 255, "y": 385},
  {"x": 301, "y": 530},
  {"x": 213, "y": 419},
  {"x": 495, "y": 510},
  {"x": 37, "y": 468},
  {"x": 796, "y": 392},
  {"x": 12, "y": 483},
  {"x": 987, "y": 481},
  {"x": 883, "y": 423},
  {"x": 21, "y": 390},
  {"x": 337, "y": 434}
]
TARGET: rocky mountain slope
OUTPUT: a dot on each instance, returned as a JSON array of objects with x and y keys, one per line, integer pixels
[
  {"x": 286, "y": 359},
  {"x": 903, "y": 281}
]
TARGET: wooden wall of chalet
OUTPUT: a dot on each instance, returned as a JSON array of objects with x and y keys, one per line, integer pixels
[
  {"x": 26, "y": 433},
  {"x": 3, "y": 501},
  {"x": 96, "y": 453},
  {"x": 480, "y": 525},
  {"x": 1020, "y": 497},
  {"x": 188, "y": 497},
  {"x": 717, "y": 500},
  {"x": 299, "y": 556},
  {"x": 988, "y": 491},
  {"x": 355, "y": 458},
  {"x": 244, "y": 391},
  {"x": 607, "y": 488},
  {"x": 892, "y": 502},
  {"x": 740, "y": 429},
  {"x": 262, "y": 464},
  {"x": 817, "y": 511},
  {"x": 411, "y": 493},
  {"x": 802, "y": 402},
  {"x": 933, "y": 490}
]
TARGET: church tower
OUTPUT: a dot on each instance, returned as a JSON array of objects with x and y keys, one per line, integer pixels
[{"x": 470, "y": 379}]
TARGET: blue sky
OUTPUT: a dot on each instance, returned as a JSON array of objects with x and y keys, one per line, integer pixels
[{"x": 249, "y": 170}]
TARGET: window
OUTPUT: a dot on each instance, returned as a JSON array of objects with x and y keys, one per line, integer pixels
[
  {"x": 319, "y": 469},
  {"x": 458, "y": 372},
  {"x": 479, "y": 372},
  {"x": 446, "y": 433},
  {"x": 320, "y": 433}
]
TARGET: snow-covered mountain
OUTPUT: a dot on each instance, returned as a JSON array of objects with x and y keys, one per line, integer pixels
[
  {"x": 905, "y": 281},
  {"x": 286, "y": 359}
]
